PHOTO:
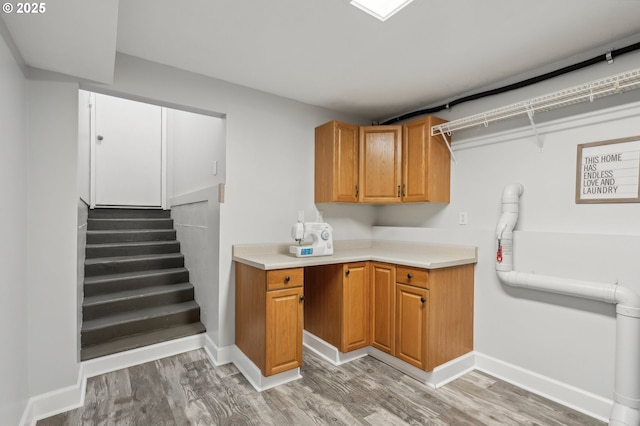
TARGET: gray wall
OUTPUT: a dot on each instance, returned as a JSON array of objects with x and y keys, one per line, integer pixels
[
  {"x": 52, "y": 235},
  {"x": 13, "y": 247}
]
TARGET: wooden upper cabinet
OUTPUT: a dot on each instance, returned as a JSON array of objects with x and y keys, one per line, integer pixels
[
  {"x": 336, "y": 163},
  {"x": 380, "y": 165},
  {"x": 426, "y": 163}
]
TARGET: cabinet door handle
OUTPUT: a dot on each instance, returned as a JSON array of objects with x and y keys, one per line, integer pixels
[
  {"x": 404, "y": 192},
  {"x": 357, "y": 191},
  {"x": 398, "y": 191},
  {"x": 409, "y": 276},
  {"x": 287, "y": 279},
  {"x": 302, "y": 298},
  {"x": 347, "y": 272},
  {"x": 422, "y": 299}
]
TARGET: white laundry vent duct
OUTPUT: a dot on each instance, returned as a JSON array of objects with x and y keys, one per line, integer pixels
[{"x": 626, "y": 407}]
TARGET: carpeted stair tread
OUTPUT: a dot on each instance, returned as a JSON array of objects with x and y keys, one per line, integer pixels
[
  {"x": 123, "y": 264},
  {"x": 118, "y": 296},
  {"x": 94, "y": 251},
  {"x": 141, "y": 315},
  {"x": 137, "y": 274},
  {"x": 102, "y": 224},
  {"x": 140, "y": 340}
]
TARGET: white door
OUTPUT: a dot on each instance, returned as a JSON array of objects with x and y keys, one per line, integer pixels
[{"x": 128, "y": 153}]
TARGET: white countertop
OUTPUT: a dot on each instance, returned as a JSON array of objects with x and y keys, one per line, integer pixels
[{"x": 428, "y": 256}]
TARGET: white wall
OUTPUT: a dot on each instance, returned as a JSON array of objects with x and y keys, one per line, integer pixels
[
  {"x": 196, "y": 144},
  {"x": 13, "y": 248},
  {"x": 84, "y": 146},
  {"x": 269, "y": 163},
  {"x": 561, "y": 338},
  {"x": 52, "y": 235}
]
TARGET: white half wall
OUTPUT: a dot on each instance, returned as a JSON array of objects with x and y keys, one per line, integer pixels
[
  {"x": 13, "y": 246},
  {"x": 198, "y": 230}
]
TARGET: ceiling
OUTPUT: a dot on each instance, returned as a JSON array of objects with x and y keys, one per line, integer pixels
[{"x": 326, "y": 52}]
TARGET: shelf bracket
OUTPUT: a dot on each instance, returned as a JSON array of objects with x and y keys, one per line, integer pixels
[
  {"x": 442, "y": 133},
  {"x": 533, "y": 126}
]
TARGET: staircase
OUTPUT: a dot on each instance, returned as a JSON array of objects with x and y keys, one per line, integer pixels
[{"x": 136, "y": 288}]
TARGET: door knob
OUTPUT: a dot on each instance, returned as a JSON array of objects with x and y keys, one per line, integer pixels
[{"x": 100, "y": 137}]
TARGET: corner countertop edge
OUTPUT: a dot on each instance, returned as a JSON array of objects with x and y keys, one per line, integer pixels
[{"x": 419, "y": 255}]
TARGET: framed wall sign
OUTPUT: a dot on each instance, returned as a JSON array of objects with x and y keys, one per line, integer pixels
[{"x": 609, "y": 171}]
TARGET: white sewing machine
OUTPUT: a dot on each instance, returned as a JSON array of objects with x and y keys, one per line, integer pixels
[{"x": 322, "y": 235}]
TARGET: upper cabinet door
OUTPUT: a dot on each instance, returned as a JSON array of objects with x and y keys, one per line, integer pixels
[
  {"x": 380, "y": 164},
  {"x": 336, "y": 163},
  {"x": 426, "y": 163}
]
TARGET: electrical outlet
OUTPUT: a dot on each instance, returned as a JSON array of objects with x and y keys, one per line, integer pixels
[{"x": 462, "y": 218}]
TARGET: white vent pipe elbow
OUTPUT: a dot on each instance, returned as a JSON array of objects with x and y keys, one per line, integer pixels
[{"x": 626, "y": 407}]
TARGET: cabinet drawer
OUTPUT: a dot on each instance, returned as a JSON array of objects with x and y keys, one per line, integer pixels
[
  {"x": 413, "y": 276},
  {"x": 285, "y": 278}
]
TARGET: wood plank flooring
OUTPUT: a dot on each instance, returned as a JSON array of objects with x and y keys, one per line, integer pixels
[{"x": 187, "y": 389}]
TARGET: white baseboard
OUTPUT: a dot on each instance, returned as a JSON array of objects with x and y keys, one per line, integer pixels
[
  {"x": 562, "y": 393},
  {"x": 253, "y": 374},
  {"x": 328, "y": 352},
  {"x": 218, "y": 356},
  {"x": 440, "y": 375}
]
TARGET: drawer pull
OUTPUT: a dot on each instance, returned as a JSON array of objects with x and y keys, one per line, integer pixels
[
  {"x": 287, "y": 279},
  {"x": 422, "y": 299},
  {"x": 347, "y": 272},
  {"x": 409, "y": 276}
]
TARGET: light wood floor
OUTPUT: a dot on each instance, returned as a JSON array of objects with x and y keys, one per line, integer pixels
[{"x": 187, "y": 389}]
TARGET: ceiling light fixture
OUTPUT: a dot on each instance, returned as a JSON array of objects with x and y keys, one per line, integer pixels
[{"x": 381, "y": 9}]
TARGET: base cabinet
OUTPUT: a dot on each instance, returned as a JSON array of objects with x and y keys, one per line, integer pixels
[
  {"x": 383, "y": 306},
  {"x": 337, "y": 304},
  {"x": 269, "y": 317},
  {"x": 434, "y": 314},
  {"x": 423, "y": 317},
  {"x": 412, "y": 314}
]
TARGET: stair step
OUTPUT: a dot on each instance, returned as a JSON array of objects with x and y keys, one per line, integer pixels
[
  {"x": 101, "y": 305},
  {"x": 123, "y": 236},
  {"x": 131, "y": 249},
  {"x": 103, "y": 284},
  {"x": 101, "y": 213},
  {"x": 126, "y": 324},
  {"x": 140, "y": 340},
  {"x": 128, "y": 223},
  {"x": 122, "y": 264}
]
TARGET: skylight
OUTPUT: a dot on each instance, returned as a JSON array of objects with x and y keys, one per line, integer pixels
[{"x": 381, "y": 9}]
